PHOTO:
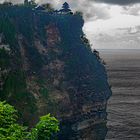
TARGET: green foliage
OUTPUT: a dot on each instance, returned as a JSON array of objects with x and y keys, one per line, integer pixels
[
  {"x": 30, "y": 3},
  {"x": 7, "y": 115},
  {"x": 78, "y": 13},
  {"x": 48, "y": 7},
  {"x": 15, "y": 90},
  {"x": 46, "y": 128},
  {"x": 25, "y": 2},
  {"x": 15, "y": 84},
  {"x": 86, "y": 42},
  {"x": 4, "y": 59},
  {"x": 11, "y": 130},
  {"x": 7, "y": 28},
  {"x": 6, "y": 3}
]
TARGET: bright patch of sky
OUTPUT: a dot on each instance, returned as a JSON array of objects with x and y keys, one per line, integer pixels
[
  {"x": 119, "y": 31},
  {"x": 118, "y": 19}
]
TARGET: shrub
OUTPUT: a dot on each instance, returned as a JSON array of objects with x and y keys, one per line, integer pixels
[{"x": 11, "y": 130}]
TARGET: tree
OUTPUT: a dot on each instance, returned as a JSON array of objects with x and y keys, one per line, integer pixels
[
  {"x": 79, "y": 13},
  {"x": 46, "y": 128},
  {"x": 48, "y": 7},
  {"x": 26, "y": 2},
  {"x": 7, "y": 115},
  {"x": 7, "y": 3},
  {"x": 30, "y": 3},
  {"x": 11, "y": 130}
]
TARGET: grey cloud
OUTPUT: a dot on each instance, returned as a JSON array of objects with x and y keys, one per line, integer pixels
[
  {"x": 94, "y": 13},
  {"x": 89, "y": 9},
  {"x": 125, "y": 38},
  {"x": 119, "y": 2},
  {"x": 132, "y": 10},
  {"x": 92, "y": 9},
  {"x": 13, "y": 1}
]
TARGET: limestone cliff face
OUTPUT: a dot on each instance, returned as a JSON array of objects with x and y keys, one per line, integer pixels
[{"x": 50, "y": 68}]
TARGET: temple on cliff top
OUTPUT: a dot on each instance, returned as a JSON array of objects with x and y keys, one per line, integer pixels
[{"x": 64, "y": 10}]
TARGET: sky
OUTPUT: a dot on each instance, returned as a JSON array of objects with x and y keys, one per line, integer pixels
[{"x": 109, "y": 24}]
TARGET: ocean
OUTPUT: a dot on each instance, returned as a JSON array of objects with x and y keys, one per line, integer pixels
[{"x": 123, "y": 68}]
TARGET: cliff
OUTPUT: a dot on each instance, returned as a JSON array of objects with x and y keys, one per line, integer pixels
[{"x": 47, "y": 66}]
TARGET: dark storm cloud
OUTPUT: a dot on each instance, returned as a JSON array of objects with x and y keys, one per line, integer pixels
[
  {"x": 118, "y": 2},
  {"x": 131, "y": 10}
]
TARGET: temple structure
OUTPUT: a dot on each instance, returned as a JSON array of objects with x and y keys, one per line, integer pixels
[{"x": 65, "y": 8}]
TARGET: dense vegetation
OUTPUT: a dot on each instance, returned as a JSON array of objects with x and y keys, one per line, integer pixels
[{"x": 45, "y": 129}]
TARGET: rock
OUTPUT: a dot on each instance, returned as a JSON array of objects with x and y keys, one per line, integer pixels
[{"x": 53, "y": 70}]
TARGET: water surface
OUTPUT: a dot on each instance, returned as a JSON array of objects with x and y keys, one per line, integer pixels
[{"x": 123, "y": 67}]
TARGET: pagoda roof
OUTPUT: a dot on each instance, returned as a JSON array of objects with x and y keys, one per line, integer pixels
[{"x": 65, "y": 10}]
